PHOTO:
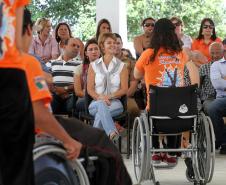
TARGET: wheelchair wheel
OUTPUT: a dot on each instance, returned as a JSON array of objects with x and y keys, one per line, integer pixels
[
  {"x": 212, "y": 155},
  {"x": 203, "y": 160},
  {"x": 139, "y": 148},
  {"x": 51, "y": 167}
]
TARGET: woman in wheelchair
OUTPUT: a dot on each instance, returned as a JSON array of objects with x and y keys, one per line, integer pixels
[
  {"x": 162, "y": 64},
  {"x": 107, "y": 81}
]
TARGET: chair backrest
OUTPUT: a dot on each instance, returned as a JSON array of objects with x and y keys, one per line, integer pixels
[{"x": 173, "y": 102}]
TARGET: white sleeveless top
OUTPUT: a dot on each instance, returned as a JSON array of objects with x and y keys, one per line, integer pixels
[{"x": 107, "y": 80}]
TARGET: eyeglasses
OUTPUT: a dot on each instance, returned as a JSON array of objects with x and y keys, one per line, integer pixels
[
  {"x": 149, "y": 24},
  {"x": 177, "y": 24},
  {"x": 208, "y": 26}
]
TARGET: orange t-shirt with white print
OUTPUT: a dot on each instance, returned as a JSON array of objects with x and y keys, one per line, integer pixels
[
  {"x": 161, "y": 71},
  {"x": 8, "y": 50},
  {"x": 203, "y": 47}
]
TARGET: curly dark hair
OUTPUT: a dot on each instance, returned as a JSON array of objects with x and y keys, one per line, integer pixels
[
  {"x": 213, "y": 36},
  {"x": 57, "y": 28},
  {"x": 164, "y": 36}
]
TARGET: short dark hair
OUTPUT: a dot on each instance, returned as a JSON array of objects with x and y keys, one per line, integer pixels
[
  {"x": 213, "y": 36},
  {"x": 57, "y": 28},
  {"x": 118, "y": 36},
  {"x": 27, "y": 21}
]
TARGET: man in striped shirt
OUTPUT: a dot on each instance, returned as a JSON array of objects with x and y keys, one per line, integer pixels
[{"x": 63, "y": 77}]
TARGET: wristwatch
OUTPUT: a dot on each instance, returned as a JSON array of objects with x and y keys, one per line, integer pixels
[{"x": 66, "y": 88}]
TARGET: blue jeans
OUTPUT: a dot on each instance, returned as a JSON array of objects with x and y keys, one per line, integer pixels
[
  {"x": 216, "y": 111},
  {"x": 104, "y": 113}
]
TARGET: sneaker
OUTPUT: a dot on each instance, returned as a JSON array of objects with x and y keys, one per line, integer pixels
[
  {"x": 170, "y": 160},
  {"x": 156, "y": 158},
  {"x": 223, "y": 149}
]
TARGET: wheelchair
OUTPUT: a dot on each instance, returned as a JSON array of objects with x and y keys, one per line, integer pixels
[
  {"x": 51, "y": 167},
  {"x": 174, "y": 110}
]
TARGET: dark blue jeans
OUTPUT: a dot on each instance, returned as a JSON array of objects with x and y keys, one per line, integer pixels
[{"x": 216, "y": 111}]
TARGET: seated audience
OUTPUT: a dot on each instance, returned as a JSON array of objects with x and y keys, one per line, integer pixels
[
  {"x": 217, "y": 109},
  {"x": 63, "y": 73},
  {"x": 95, "y": 140},
  {"x": 92, "y": 53},
  {"x": 107, "y": 81},
  {"x": 44, "y": 45}
]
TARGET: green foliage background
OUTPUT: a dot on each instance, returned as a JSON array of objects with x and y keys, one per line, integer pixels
[{"x": 81, "y": 14}]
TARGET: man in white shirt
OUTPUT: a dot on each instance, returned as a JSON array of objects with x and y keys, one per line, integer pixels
[{"x": 217, "y": 109}]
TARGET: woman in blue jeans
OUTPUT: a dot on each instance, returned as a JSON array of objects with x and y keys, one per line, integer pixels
[{"x": 107, "y": 81}]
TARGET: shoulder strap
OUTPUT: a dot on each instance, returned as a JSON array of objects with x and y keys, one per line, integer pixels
[{"x": 174, "y": 79}]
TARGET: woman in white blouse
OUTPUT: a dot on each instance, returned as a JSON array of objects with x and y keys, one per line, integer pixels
[{"x": 107, "y": 81}]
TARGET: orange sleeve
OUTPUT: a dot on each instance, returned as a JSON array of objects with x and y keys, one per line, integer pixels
[
  {"x": 36, "y": 82},
  {"x": 20, "y": 3},
  {"x": 143, "y": 60}
]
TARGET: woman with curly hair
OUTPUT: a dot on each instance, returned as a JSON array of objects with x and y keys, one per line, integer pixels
[{"x": 162, "y": 64}]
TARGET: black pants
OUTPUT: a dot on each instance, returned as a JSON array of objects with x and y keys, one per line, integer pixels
[
  {"x": 99, "y": 145},
  {"x": 16, "y": 129}
]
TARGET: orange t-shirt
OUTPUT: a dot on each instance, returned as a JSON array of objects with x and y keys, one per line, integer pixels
[
  {"x": 36, "y": 82},
  {"x": 8, "y": 50},
  {"x": 161, "y": 71},
  {"x": 35, "y": 79},
  {"x": 203, "y": 47}
]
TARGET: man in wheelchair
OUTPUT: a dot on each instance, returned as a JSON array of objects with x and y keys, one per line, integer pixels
[{"x": 94, "y": 139}]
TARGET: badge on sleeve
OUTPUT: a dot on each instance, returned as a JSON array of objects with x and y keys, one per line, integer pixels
[{"x": 40, "y": 83}]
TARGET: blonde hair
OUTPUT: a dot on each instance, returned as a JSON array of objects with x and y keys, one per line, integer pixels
[
  {"x": 102, "y": 38},
  {"x": 41, "y": 23}
]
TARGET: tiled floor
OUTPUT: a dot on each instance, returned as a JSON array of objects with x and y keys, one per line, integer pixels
[{"x": 177, "y": 176}]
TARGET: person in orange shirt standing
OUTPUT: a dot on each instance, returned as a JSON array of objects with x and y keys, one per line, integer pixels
[
  {"x": 162, "y": 64},
  {"x": 200, "y": 45},
  {"x": 16, "y": 115}
]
